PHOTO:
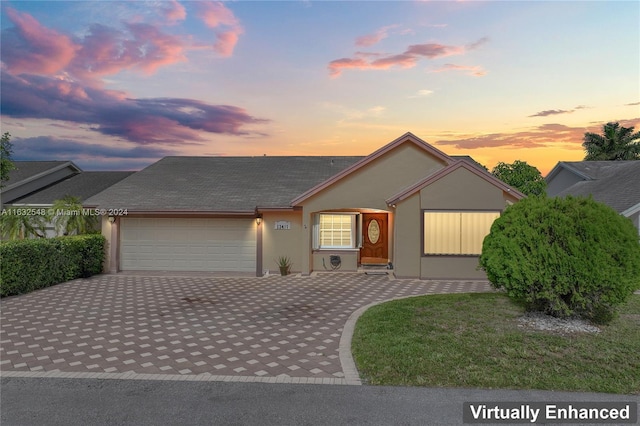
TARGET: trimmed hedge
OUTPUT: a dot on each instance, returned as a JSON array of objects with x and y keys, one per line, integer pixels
[
  {"x": 566, "y": 256},
  {"x": 28, "y": 265}
]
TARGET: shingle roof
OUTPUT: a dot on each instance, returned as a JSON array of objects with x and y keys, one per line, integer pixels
[
  {"x": 82, "y": 185},
  {"x": 615, "y": 183},
  {"x": 228, "y": 184},
  {"x": 26, "y": 169}
]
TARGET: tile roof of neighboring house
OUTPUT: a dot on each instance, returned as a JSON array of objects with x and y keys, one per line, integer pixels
[
  {"x": 224, "y": 184},
  {"x": 615, "y": 183},
  {"x": 82, "y": 185}
]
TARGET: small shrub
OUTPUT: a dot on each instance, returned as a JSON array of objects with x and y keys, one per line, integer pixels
[
  {"x": 28, "y": 265},
  {"x": 564, "y": 256}
]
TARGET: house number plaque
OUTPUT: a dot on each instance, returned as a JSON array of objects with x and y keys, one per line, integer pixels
[{"x": 373, "y": 230}]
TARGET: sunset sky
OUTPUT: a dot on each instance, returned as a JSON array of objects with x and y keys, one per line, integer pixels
[{"x": 118, "y": 85}]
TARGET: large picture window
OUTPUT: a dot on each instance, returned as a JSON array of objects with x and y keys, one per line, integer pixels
[
  {"x": 336, "y": 230},
  {"x": 460, "y": 232}
]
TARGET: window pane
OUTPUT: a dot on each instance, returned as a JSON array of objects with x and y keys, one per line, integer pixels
[
  {"x": 442, "y": 233},
  {"x": 336, "y": 230},
  {"x": 476, "y": 226},
  {"x": 456, "y": 232}
]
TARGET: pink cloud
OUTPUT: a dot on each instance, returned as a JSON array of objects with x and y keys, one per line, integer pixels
[
  {"x": 474, "y": 70},
  {"x": 46, "y": 75},
  {"x": 216, "y": 15},
  {"x": 538, "y": 137},
  {"x": 371, "y": 39},
  {"x": 336, "y": 66},
  {"x": 107, "y": 51},
  {"x": 226, "y": 42},
  {"x": 32, "y": 48},
  {"x": 407, "y": 59},
  {"x": 174, "y": 11},
  {"x": 155, "y": 120}
]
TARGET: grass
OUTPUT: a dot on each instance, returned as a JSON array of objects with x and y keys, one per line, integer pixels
[{"x": 473, "y": 340}]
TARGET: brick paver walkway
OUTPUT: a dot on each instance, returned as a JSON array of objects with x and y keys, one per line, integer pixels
[{"x": 152, "y": 326}]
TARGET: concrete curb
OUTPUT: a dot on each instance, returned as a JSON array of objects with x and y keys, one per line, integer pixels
[{"x": 176, "y": 377}]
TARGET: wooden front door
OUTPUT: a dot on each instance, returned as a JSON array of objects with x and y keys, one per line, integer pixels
[{"x": 375, "y": 242}]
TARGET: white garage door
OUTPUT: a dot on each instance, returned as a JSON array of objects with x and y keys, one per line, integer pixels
[{"x": 188, "y": 244}]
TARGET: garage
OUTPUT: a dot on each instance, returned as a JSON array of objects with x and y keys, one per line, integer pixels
[{"x": 179, "y": 244}]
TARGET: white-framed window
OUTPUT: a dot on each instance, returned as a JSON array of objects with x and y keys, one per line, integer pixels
[
  {"x": 456, "y": 232},
  {"x": 336, "y": 230}
]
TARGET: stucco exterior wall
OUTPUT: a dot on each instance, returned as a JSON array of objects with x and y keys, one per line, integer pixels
[
  {"x": 368, "y": 188},
  {"x": 106, "y": 231},
  {"x": 407, "y": 246},
  {"x": 451, "y": 267},
  {"x": 281, "y": 242},
  {"x": 462, "y": 190},
  {"x": 348, "y": 258}
]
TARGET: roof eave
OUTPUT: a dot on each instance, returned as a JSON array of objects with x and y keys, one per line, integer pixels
[{"x": 41, "y": 174}]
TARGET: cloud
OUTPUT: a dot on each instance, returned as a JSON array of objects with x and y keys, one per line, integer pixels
[
  {"x": 538, "y": 137},
  {"x": 108, "y": 51},
  {"x": 422, "y": 93},
  {"x": 371, "y": 39},
  {"x": 407, "y": 59},
  {"x": 173, "y": 11},
  {"x": 632, "y": 104},
  {"x": 474, "y": 70},
  {"x": 549, "y": 112},
  {"x": 159, "y": 120},
  {"x": 47, "y": 75},
  {"x": 30, "y": 47},
  {"x": 87, "y": 156},
  {"x": 216, "y": 15},
  {"x": 434, "y": 50}
]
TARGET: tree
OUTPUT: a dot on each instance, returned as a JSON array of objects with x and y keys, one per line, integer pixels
[
  {"x": 564, "y": 256},
  {"x": 18, "y": 223},
  {"x": 615, "y": 143},
  {"x": 525, "y": 178},
  {"x": 70, "y": 218},
  {"x": 6, "y": 165}
]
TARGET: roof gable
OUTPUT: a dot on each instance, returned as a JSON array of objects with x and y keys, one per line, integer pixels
[
  {"x": 406, "y": 138},
  {"x": 615, "y": 183},
  {"x": 464, "y": 164}
]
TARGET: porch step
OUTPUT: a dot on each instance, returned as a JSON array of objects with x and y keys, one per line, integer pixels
[{"x": 376, "y": 272}]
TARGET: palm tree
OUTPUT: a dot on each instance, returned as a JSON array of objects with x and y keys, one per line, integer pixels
[
  {"x": 70, "y": 218},
  {"x": 17, "y": 224},
  {"x": 615, "y": 143}
]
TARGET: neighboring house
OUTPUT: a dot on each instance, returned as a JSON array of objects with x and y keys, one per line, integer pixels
[
  {"x": 31, "y": 176},
  {"x": 615, "y": 183},
  {"x": 407, "y": 205},
  {"x": 37, "y": 184}
]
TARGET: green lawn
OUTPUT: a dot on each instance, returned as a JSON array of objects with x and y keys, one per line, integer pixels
[{"x": 473, "y": 340}]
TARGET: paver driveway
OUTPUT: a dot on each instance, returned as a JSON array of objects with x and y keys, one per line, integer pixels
[{"x": 196, "y": 326}]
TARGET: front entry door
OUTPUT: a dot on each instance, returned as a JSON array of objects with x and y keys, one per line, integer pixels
[{"x": 375, "y": 243}]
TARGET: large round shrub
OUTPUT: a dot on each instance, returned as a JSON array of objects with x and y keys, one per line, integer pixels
[{"x": 564, "y": 256}]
